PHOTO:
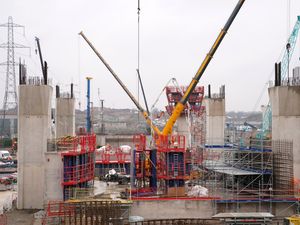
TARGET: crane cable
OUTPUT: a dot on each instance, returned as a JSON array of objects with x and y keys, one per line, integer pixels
[
  {"x": 288, "y": 18},
  {"x": 138, "y": 54},
  {"x": 79, "y": 72}
]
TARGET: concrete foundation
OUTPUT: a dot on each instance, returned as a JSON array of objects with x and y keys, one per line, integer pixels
[
  {"x": 285, "y": 102},
  {"x": 34, "y": 125},
  {"x": 161, "y": 209},
  {"x": 215, "y": 120},
  {"x": 172, "y": 209},
  {"x": 65, "y": 117},
  {"x": 278, "y": 209}
]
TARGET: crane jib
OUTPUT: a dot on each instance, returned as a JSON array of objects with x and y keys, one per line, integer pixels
[
  {"x": 180, "y": 105},
  {"x": 140, "y": 108}
]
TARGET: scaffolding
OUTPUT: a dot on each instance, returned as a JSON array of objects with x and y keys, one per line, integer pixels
[
  {"x": 251, "y": 169},
  {"x": 194, "y": 155},
  {"x": 260, "y": 172}
]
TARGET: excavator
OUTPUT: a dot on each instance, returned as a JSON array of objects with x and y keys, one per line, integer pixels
[{"x": 181, "y": 104}]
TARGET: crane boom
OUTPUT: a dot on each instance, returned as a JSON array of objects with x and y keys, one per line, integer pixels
[
  {"x": 140, "y": 108},
  {"x": 180, "y": 105},
  {"x": 40, "y": 54}
]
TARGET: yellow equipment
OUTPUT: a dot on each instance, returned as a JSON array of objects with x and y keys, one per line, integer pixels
[{"x": 292, "y": 220}]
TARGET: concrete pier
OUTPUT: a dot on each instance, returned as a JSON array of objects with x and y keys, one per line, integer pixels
[
  {"x": 54, "y": 174},
  {"x": 34, "y": 128},
  {"x": 183, "y": 129},
  {"x": 285, "y": 101},
  {"x": 65, "y": 117},
  {"x": 215, "y": 120},
  {"x": 160, "y": 209}
]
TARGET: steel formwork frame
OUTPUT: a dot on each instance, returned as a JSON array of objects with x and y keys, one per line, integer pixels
[
  {"x": 168, "y": 149},
  {"x": 174, "y": 94},
  {"x": 112, "y": 158},
  {"x": 79, "y": 162},
  {"x": 142, "y": 164},
  {"x": 110, "y": 155},
  {"x": 195, "y": 113},
  {"x": 167, "y": 167}
]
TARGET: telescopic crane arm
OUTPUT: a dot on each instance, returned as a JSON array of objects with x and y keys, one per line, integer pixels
[
  {"x": 140, "y": 108},
  {"x": 180, "y": 105},
  {"x": 40, "y": 53},
  {"x": 44, "y": 64}
]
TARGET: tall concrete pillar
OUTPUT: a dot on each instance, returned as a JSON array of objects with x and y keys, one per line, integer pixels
[
  {"x": 183, "y": 129},
  {"x": 285, "y": 101},
  {"x": 65, "y": 117},
  {"x": 34, "y": 128},
  {"x": 215, "y": 120}
]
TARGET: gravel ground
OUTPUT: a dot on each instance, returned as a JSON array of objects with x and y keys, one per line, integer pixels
[{"x": 20, "y": 217}]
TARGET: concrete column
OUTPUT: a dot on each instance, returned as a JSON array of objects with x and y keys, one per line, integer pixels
[
  {"x": 34, "y": 126},
  {"x": 65, "y": 117},
  {"x": 183, "y": 129},
  {"x": 285, "y": 102},
  {"x": 54, "y": 174},
  {"x": 215, "y": 120}
]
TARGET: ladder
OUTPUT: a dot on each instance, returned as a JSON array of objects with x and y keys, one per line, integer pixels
[{"x": 176, "y": 166}]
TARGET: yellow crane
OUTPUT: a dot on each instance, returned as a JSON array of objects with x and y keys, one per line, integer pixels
[{"x": 181, "y": 104}]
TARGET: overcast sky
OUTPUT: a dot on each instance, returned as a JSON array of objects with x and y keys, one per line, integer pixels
[{"x": 175, "y": 36}]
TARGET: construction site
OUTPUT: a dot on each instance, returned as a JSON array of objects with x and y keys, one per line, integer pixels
[{"x": 190, "y": 162}]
